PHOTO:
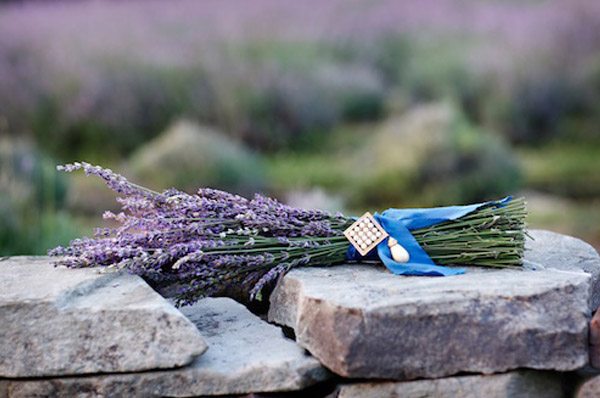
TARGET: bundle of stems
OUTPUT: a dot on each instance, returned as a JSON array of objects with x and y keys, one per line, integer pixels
[
  {"x": 492, "y": 236},
  {"x": 216, "y": 243}
]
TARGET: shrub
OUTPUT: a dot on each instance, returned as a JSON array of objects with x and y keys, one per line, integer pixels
[
  {"x": 536, "y": 108},
  {"x": 433, "y": 156},
  {"x": 190, "y": 156},
  {"x": 77, "y": 78},
  {"x": 567, "y": 170},
  {"x": 285, "y": 106},
  {"x": 28, "y": 176},
  {"x": 31, "y": 194},
  {"x": 123, "y": 106}
]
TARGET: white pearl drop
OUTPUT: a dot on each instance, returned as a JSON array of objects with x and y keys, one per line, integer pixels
[{"x": 399, "y": 253}]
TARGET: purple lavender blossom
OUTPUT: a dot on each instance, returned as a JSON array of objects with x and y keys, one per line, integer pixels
[
  {"x": 206, "y": 244},
  {"x": 215, "y": 243}
]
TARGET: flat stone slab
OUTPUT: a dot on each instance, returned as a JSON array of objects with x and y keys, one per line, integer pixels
[
  {"x": 245, "y": 355},
  {"x": 58, "y": 321},
  {"x": 361, "y": 321},
  {"x": 554, "y": 250},
  {"x": 521, "y": 384}
]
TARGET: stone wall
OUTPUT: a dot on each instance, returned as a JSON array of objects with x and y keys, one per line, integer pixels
[{"x": 350, "y": 331}]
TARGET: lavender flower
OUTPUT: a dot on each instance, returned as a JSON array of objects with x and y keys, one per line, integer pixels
[
  {"x": 215, "y": 243},
  {"x": 208, "y": 243}
]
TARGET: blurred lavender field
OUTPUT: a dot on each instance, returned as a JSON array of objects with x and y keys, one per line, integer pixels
[{"x": 295, "y": 98}]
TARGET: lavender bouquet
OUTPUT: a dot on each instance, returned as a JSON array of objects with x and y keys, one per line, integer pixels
[{"x": 215, "y": 243}]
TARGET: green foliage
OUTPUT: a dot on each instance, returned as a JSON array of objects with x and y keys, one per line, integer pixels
[
  {"x": 391, "y": 55},
  {"x": 292, "y": 105},
  {"x": 29, "y": 177},
  {"x": 31, "y": 192},
  {"x": 301, "y": 171},
  {"x": 577, "y": 217},
  {"x": 569, "y": 170},
  {"x": 536, "y": 109},
  {"x": 434, "y": 72},
  {"x": 272, "y": 95},
  {"x": 277, "y": 94},
  {"x": 434, "y": 156},
  {"x": 188, "y": 156},
  {"x": 132, "y": 104}
]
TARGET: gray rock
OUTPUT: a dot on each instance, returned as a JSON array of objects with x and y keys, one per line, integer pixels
[
  {"x": 595, "y": 341},
  {"x": 553, "y": 250},
  {"x": 520, "y": 384},
  {"x": 58, "y": 321},
  {"x": 589, "y": 388},
  {"x": 246, "y": 355},
  {"x": 361, "y": 321}
]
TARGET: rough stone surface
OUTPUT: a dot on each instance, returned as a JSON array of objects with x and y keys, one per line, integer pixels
[
  {"x": 554, "y": 250},
  {"x": 57, "y": 321},
  {"x": 361, "y": 321},
  {"x": 521, "y": 384},
  {"x": 589, "y": 388},
  {"x": 595, "y": 341},
  {"x": 245, "y": 355}
]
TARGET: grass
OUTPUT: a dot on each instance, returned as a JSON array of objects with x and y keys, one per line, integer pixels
[
  {"x": 327, "y": 166},
  {"x": 298, "y": 171},
  {"x": 564, "y": 181},
  {"x": 579, "y": 218},
  {"x": 566, "y": 169}
]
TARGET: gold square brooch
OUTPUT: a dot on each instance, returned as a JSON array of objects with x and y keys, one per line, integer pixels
[{"x": 365, "y": 234}]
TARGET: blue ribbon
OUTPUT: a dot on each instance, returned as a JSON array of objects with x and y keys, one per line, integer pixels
[{"x": 399, "y": 222}]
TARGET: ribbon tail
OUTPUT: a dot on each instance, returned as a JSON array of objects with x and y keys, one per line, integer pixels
[{"x": 420, "y": 264}]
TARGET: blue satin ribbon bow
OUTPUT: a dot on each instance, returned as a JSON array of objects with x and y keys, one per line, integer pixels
[{"x": 399, "y": 222}]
